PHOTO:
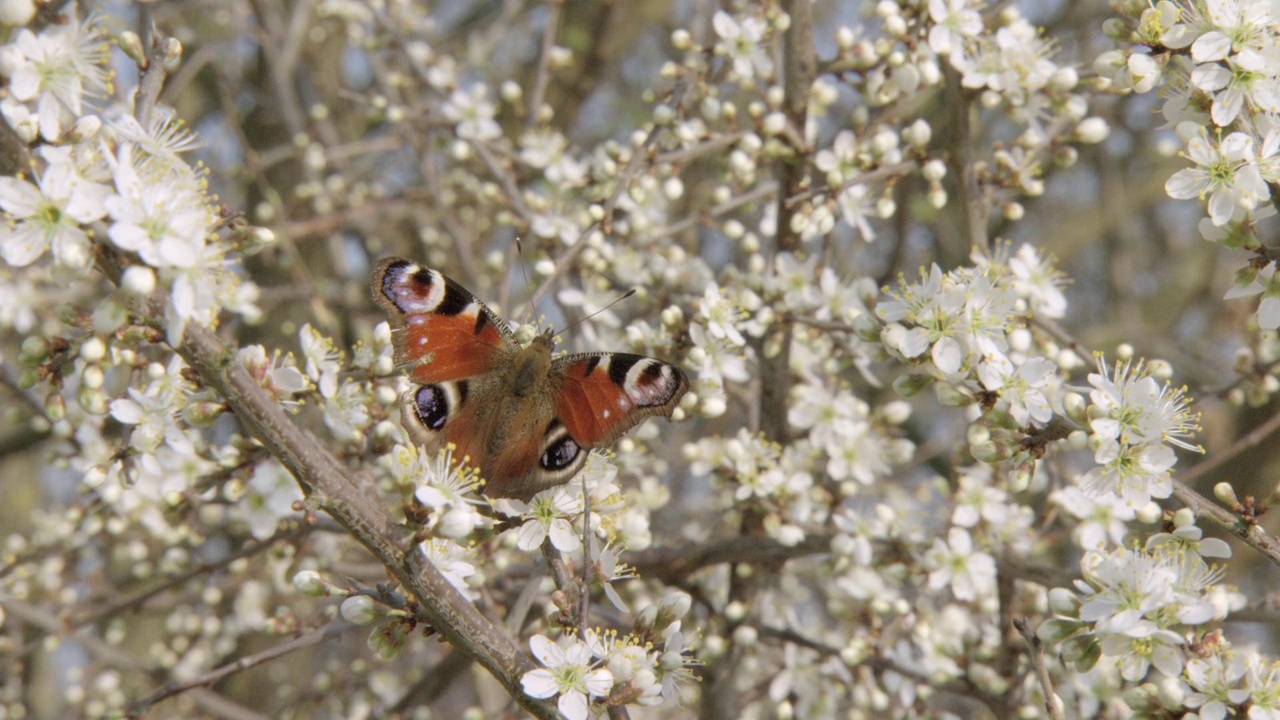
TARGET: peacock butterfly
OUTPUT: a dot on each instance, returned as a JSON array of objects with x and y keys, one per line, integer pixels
[{"x": 525, "y": 420}]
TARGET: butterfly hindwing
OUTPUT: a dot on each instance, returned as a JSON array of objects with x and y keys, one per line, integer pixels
[
  {"x": 438, "y": 327},
  {"x": 602, "y": 395}
]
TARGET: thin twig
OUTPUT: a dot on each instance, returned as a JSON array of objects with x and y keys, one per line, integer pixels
[
  {"x": 1036, "y": 653},
  {"x": 763, "y": 191},
  {"x": 315, "y": 637},
  {"x": 245, "y": 550},
  {"x": 623, "y": 182},
  {"x": 543, "y": 77},
  {"x": 866, "y": 178},
  {"x": 208, "y": 700}
]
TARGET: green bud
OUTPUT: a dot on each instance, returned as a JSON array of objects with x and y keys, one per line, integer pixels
[
  {"x": 28, "y": 379},
  {"x": 1083, "y": 651},
  {"x": 388, "y": 639},
  {"x": 92, "y": 400},
  {"x": 55, "y": 407},
  {"x": 34, "y": 351},
  {"x": 203, "y": 414}
]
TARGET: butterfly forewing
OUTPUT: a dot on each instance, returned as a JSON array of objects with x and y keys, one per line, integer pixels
[
  {"x": 438, "y": 327},
  {"x": 602, "y": 395}
]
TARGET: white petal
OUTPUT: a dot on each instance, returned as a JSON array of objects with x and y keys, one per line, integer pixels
[
  {"x": 547, "y": 652},
  {"x": 563, "y": 536},
  {"x": 1210, "y": 47},
  {"x": 539, "y": 683},
  {"x": 573, "y": 705},
  {"x": 724, "y": 25},
  {"x": 1186, "y": 184},
  {"x": 530, "y": 535},
  {"x": 1269, "y": 313},
  {"x": 946, "y": 355},
  {"x": 18, "y": 197},
  {"x": 23, "y": 245},
  {"x": 599, "y": 682},
  {"x": 126, "y": 411}
]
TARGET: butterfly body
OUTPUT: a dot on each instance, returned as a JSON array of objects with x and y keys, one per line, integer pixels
[{"x": 524, "y": 419}]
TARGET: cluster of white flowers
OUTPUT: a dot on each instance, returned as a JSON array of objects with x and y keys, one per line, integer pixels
[
  {"x": 968, "y": 331},
  {"x": 1136, "y": 422},
  {"x": 1143, "y": 607},
  {"x": 644, "y": 667},
  {"x": 131, "y": 177},
  {"x": 1212, "y": 61}
]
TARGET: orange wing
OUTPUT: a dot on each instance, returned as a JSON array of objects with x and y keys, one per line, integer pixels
[
  {"x": 437, "y": 325},
  {"x": 602, "y": 395}
]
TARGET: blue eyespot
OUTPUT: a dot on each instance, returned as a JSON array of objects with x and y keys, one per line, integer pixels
[
  {"x": 432, "y": 405},
  {"x": 560, "y": 455}
]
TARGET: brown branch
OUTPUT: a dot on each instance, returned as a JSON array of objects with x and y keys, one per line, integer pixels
[
  {"x": 315, "y": 637},
  {"x": 153, "y": 76},
  {"x": 244, "y": 551},
  {"x": 15, "y": 156},
  {"x": 566, "y": 584},
  {"x": 1251, "y": 533},
  {"x": 972, "y": 204},
  {"x": 799, "y": 68},
  {"x": 208, "y": 700},
  {"x": 672, "y": 564},
  {"x": 880, "y": 173}
]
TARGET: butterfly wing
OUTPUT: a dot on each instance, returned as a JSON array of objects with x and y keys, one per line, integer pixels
[
  {"x": 438, "y": 327},
  {"x": 602, "y": 395},
  {"x": 455, "y": 346}
]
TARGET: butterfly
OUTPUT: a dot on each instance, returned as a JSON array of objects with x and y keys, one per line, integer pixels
[{"x": 525, "y": 419}]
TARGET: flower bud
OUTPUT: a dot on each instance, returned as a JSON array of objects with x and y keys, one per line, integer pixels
[
  {"x": 131, "y": 44},
  {"x": 34, "y": 351},
  {"x": 359, "y": 610},
  {"x": 138, "y": 280},
  {"x": 309, "y": 582},
  {"x": 1226, "y": 494}
]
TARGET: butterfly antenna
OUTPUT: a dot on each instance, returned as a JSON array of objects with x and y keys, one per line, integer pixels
[
  {"x": 524, "y": 272},
  {"x": 615, "y": 301}
]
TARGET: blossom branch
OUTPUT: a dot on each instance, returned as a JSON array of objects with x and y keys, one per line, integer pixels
[
  {"x": 208, "y": 700},
  {"x": 245, "y": 550},
  {"x": 331, "y": 487},
  {"x": 351, "y": 502},
  {"x": 333, "y": 630},
  {"x": 966, "y": 689}
]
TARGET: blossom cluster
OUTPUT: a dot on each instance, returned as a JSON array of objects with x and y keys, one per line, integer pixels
[
  {"x": 1221, "y": 93},
  {"x": 843, "y": 542},
  {"x": 1143, "y": 607}
]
